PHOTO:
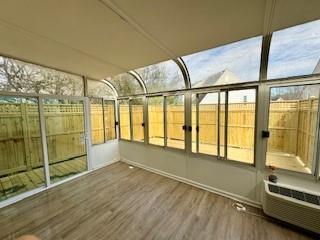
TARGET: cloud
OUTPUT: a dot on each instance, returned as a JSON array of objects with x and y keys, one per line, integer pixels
[
  {"x": 294, "y": 51},
  {"x": 242, "y": 58}
]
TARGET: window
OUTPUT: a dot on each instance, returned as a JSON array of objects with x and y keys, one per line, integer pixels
[
  {"x": 18, "y": 76},
  {"x": 175, "y": 121},
  {"x": 21, "y": 160},
  {"x": 222, "y": 125},
  {"x": 194, "y": 123},
  {"x": 109, "y": 119},
  {"x": 102, "y": 112},
  {"x": 137, "y": 119},
  {"x": 206, "y": 123},
  {"x": 126, "y": 84},
  {"x": 155, "y": 120},
  {"x": 163, "y": 76},
  {"x": 210, "y": 128},
  {"x": 232, "y": 63},
  {"x": 96, "y": 113},
  {"x": 99, "y": 89},
  {"x": 124, "y": 117},
  {"x": 241, "y": 125},
  {"x": 295, "y": 51},
  {"x": 293, "y": 116}
]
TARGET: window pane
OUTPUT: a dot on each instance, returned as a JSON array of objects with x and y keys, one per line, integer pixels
[
  {"x": 99, "y": 89},
  {"x": 292, "y": 124},
  {"x": 162, "y": 76},
  {"x": 295, "y": 51},
  {"x": 124, "y": 120},
  {"x": 126, "y": 84},
  {"x": 241, "y": 125},
  {"x": 18, "y": 76},
  {"x": 155, "y": 120},
  {"x": 109, "y": 119},
  {"x": 21, "y": 161},
  {"x": 96, "y": 120},
  {"x": 232, "y": 63},
  {"x": 222, "y": 123},
  {"x": 175, "y": 121},
  {"x": 194, "y": 123},
  {"x": 64, "y": 120},
  {"x": 137, "y": 119},
  {"x": 208, "y": 119}
]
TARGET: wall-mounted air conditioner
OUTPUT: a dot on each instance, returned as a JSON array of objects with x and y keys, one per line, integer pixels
[{"x": 293, "y": 205}]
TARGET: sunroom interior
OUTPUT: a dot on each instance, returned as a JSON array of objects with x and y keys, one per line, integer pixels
[{"x": 220, "y": 98}]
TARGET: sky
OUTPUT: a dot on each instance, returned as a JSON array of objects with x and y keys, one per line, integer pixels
[{"x": 294, "y": 51}]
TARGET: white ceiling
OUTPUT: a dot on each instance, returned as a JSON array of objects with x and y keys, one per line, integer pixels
[{"x": 100, "y": 38}]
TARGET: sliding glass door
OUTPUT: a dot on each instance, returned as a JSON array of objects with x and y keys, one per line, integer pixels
[
  {"x": 21, "y": 158},
  {"x": 65, "y": 134}
]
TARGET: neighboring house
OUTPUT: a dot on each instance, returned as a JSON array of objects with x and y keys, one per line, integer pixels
[
  {"x": 317, "y": 68},
  {"x": 222, "y": 78}
]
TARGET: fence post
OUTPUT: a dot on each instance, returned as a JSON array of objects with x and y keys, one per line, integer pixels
[{"x": 26, "y": 135}]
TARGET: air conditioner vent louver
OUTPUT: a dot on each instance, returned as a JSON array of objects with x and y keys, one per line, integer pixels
[
  {"x": 302, "y": 196},
  {"x": 292, "y": 204}
]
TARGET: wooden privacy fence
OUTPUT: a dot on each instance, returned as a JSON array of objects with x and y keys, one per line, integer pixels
[
  {"x": 20, "y": 141},
  {"x": 102, "y": 122},
  {"x": 292, "y": 125}
]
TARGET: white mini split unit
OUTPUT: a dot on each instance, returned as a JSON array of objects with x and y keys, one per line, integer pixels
[{"x": 292, "y": 205}]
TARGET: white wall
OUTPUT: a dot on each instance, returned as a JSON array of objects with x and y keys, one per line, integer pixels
[
  {"x": 105, "y": 153},
  {"x": 227, "y": 178}
]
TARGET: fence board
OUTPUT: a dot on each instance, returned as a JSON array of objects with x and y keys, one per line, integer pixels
[{"x": 292, "y": 127}]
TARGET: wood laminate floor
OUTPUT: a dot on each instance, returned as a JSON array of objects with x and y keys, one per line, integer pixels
[{"x": 116, "y": 202}]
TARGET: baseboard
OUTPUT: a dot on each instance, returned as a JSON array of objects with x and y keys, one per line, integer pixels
[
  {"x": 229, "y": 195},
  {"x": 117, "y": 159}
]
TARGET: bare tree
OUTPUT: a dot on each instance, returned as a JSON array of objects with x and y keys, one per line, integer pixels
[{"x": 18, "y": 76}]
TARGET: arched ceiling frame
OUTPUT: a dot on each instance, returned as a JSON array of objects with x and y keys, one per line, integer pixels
[
  {"x": 116, "y": 94},
  {"x": 183, "y": 68},
  {"x": 139, "y": 79}
]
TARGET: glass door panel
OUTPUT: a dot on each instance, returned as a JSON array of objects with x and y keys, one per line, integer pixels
[
  {"x": 96, "y": 114},
  {"x": 208, "y": 123},
  {"x": 21, "y": 159},
  {"x": 155, "y": 123},
  {"x": 241, "y": 125},
  {"x": 137, "y": 119},
  {"x": 109, "y": 119},
  {"x": 222, "y": 124},
  {"x": 194, "y": 116},
  {"x": 124, "y": 113},
  {"x": 65, "y": 130},
  {"x": 175, "y": 121}
]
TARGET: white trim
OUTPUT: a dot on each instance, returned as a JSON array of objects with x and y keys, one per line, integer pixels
[
  {"x": 21, "y": 196},
  {"x": 117, "y": 159},
  {"x": 38, "y": 190},
  {"x": 229, "y": 195}
]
